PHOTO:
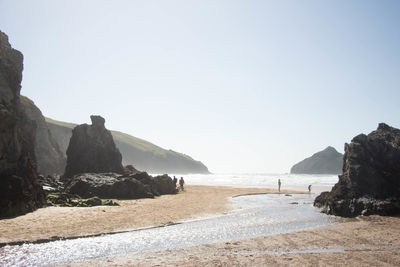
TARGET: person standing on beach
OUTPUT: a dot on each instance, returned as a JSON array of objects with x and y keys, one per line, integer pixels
[
  {"x": 279, "y": 185},
  {"x": 181, "y": 183},
  {"x": 309, "y": 188}
]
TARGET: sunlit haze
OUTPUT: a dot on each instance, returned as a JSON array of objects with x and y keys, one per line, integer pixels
[{"x": 243, "y": 86}]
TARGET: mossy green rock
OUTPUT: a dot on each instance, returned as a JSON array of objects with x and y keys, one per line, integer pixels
[{"x": 68, "y": 200}]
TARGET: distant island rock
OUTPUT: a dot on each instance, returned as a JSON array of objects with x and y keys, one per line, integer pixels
[
  {"x": 327, "y": 161},
  {"x": 20, "y": 191},
  {"x": 370, "y": 183},
  {"x": 143, "y": 155}
]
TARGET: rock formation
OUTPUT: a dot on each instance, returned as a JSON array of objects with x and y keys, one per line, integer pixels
[
  {"x": 135, "y": 151},
  {"x": 112, "y": 185},
  {"x": 92, "y": 150},
  {"x": 370, "y": 183},
  {"x": 327, "y": 161},
  {"x": 20, "y": 191},
  {"x": 50, "y": 159}
]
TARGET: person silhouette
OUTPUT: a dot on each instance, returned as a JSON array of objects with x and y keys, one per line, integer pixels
[{"x": 279, "y": 185}]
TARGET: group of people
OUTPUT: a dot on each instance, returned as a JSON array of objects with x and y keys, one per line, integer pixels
[
  {"x": 181, "y": 183},
  {"x": 279, "y": 186}
]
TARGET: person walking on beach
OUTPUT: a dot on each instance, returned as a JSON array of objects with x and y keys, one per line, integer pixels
[
  {"x": 279, "y": 185},
  {"x": 181, "y": 183},
  {"x": 309, "y": 188}
]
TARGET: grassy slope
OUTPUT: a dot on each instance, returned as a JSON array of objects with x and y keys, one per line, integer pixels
[{"x": 130, "y": 145}]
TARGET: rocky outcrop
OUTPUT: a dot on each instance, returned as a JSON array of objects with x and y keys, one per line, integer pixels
[
  {"x": 370, "y": 183},
  {"x": 92, "y": 150},
  {"x": 50, "y": 160},
  {"x": 135, "y": 151},
  {"x": 112, "y": 185},
  {"x": 327, "y": 161},
  {"x": 20, "y": 191}
]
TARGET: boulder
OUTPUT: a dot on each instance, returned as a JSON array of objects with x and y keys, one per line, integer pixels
[
  {"x": 113, "y": 185},
  {"x": 92, "y": 150},
  {"x": 163, "y": 184},
  {"x": 327, "y": 161},
  {"x": 20, "y": 191},
  {"x": 108, "y": 185},
  {"x": 370, "y": 183}
]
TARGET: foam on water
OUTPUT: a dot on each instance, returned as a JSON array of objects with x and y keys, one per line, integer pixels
[
  {"x": 264, "y": 180},
  {"x": 259, "y": 215}
]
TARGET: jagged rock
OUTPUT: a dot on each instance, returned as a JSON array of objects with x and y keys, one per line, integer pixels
[
  {"x": 370, "y": 183},
  {"x": 163, "y": 184},
  {"x": 50, "y": 159},
  {"x": 108, "y": 185},
  {"x": 327, "y": 161},
  {"x": 20, "y": 191},
  {"x": 50, "y": 183},
  {"x": 129, "y": 169},
  {"x": 92, "y": 150},
  {"x": 113, "y": 185}
]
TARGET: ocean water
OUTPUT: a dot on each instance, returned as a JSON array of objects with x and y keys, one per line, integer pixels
[{"x": 263, "y": 180}]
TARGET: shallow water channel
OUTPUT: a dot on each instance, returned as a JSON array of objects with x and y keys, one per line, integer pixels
[{"x": 259, "y": 215}]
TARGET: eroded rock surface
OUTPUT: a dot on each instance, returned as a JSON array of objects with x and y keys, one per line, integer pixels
[
  {"x": 20, "y": 191},
  {"x": 50, "y": 160},
  {"x": 92, "y": 150},
  {"x": 113, "y": 185},
  {"x": 370, "y": 183}
]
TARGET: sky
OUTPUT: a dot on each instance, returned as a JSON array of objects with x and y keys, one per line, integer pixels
[{"x": 243, "y": 86}]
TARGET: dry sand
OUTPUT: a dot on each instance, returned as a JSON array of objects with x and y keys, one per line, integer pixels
[{"x": 62, "y": 222}]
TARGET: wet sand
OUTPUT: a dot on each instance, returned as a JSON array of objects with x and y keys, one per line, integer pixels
[
  {"x": 364, "y": 241},
  {"x": 64, "y": 222}
]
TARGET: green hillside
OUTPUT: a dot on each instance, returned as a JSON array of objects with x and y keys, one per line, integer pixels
[{"x": 141, "y": 154}]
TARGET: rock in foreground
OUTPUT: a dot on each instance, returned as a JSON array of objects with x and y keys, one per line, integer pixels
[
  {"x": 370, "y": 183},
  {"x": 92, "y": 150},
  {"x": 20, "y": 191},
  {"x": 113, "y": 185}
]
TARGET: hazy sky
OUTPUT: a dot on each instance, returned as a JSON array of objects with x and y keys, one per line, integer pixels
[{"x": 243, "y": 86}]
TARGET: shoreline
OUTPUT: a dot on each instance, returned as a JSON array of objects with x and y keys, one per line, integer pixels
[
  {"x": 361, "y": 241},
  {"x": 55, "y": 223}
]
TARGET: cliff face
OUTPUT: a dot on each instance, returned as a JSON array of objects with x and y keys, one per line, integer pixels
[
  {"x": 50, "y": 159},
  {"x": 327, "y": 161},
  {"x": 137, "y": 152},
  {"x": 370, "y": 183},
  {"x": 20, "y": 191},
  {"x": 92, "y": 150}
]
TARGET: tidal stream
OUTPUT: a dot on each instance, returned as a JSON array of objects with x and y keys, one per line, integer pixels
[{"x": 259, "y": 215}]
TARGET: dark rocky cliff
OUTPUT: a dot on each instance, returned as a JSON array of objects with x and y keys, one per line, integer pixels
[
  {"x": 135, "y": 151},
  {"x": 92, "y": 150},
  {"x": 20, "y": 191},
  {"x": 50, "y": 159},
  {"x": 370, "y": 183},
  {"x": 327, "y": 161}
]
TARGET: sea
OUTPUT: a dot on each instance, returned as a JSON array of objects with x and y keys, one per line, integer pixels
[{"x": 318, "y": 183}]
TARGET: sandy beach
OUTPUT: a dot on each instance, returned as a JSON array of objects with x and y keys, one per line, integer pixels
[
  {"x": 365, "y": 241},
  {"x": 65, "y": 222}
]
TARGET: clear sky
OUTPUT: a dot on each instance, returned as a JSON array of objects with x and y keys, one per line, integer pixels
[{"x": 243, "y": 86}]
